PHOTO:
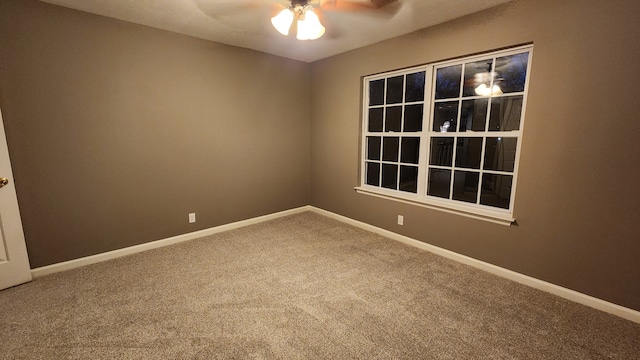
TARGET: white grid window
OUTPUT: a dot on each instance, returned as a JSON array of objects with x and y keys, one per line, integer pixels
[{"x": 448, "y": 135}]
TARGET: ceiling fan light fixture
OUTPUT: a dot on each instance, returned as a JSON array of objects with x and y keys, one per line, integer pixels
[
  {"x": 484, "y": 90},
  {"x": 282, "y": 22},
  {"x": 309, "y": 26}
]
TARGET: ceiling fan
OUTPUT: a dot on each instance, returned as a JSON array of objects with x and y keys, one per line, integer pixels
[{"x": 300, "y": 15}]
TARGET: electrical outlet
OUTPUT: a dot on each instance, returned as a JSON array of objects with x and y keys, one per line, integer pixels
[
  {"x": 192, "y": 218},
  {"x": 400, "y": 220}
]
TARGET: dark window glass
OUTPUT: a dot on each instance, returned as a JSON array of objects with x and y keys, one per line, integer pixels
[
  {"x": 413, "y": 117},
  {"x": 375, "y": 119},
  {"x": 439, "y": 183},
  {"x": 496, "y": 190},
  {"x": 445, "y": 116},
  {"x": 500, "y": 153},
  {"x": 473, "y": 115},
  {"x": 393, "y": 121},
  {"x": 465, "y": 186},
  {"x": 448, "y": 82},
  {"x": 410, "y": 150},
  {"x": 376, "y": 92},
  {"x": 390, "y": 149},
  {"x": 441, "y": 151},
  {"x": 415, "y": 87},
  {"x": 469, "y": 152},
  {"x": 374, "y": 146},
  {"x": 477, "y": 74},
  {"x": 511, "y": 72},
  {"x": 408, "y": 179},
  {"x": 390, "y": 176},
  {"x": 505, "y": 113},
  {"x": 373, "y": 174},
  {"x": 395, "y": 86}
]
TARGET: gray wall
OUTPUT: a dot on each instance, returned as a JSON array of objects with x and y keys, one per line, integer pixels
[
  {"x": 577, "y": 201},
  {"x": 117, "y": 131}
]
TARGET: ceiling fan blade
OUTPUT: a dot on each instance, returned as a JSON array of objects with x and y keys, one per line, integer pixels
[
  {"x": 381, "y": 3},
  {"x": 355, "y": 5},
  {"x": 373, "y": 7},
  {"x": 215, "y": 9}
]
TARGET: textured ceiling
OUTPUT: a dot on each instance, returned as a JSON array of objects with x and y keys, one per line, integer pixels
[{"x": 246, "y": 23}]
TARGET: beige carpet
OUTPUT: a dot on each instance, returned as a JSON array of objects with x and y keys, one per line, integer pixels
[{"x": 300, "y": 287}]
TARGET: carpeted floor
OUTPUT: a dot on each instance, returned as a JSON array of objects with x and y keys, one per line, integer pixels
[{"x": 299, "y": 287}]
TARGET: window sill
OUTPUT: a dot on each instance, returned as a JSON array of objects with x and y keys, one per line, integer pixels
[{"x": 497, "y": 218}]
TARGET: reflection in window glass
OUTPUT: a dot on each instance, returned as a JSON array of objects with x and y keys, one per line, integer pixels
[
  {"x": 396, "y": 107},
  {"x": 390, "y": 176},
  {"x": 473, "y": 115},
  {"x": 500, "y": 153},
  {"x": 395, "y": 87},
  {"x": 445, "y": 116},
  {"x": 375, "y": 119},
  {"x": 376, "y": 92},
  {"x": 374, "y": 146},
  {"x": 390, "y": 149},
  {"x": 439, "y": 183},
  {"x": 506, "y": 113},
  {"x": 410, "y": 150},
  {"x": 373, "y": 174},
  {"x": 415, "y": 87},
  {"x": 448, "y": 82},
  {"x": 496, "y": 190},
  {"x": 413, "y": 117},
  {"x": 469, "y": 152},
  {"x": 465, "y": 186},
  {"x": 441, "y": 151},
  {"x": 476, "y": 75},
  {"x": 408, "y": 179},
  {"x": 393, "y": 121},
  {"x": 512, "y": 72}
]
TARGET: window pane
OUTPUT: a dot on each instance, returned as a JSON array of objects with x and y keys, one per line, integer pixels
[
  {"x": 415, "y": 87},
  {"x": 500, "y": 153},
  {"x": 496, "y": 190},
  {"x": 445, "y": 116},
  {"x": 390, "y": 149},
  {"x": 373, "y": 147},
  {"x": 395, "y": 86},
  {"x": 469, "y": 152},
  {"x": 373, "y": 174},
  {"x": 409, "y": 179},
  {"x": 375, "y": 119},
  {"x": 413, "y": 117},
  {"x": 473, "y": 115},
  {"x": 512, "y": 72},
  {"x": 410, "y": 150},
  {"x": 465, "y": 186},
  {"x": 390, "y": 176},
  {"x": 448, "y": 82},
  {"x": 505, "y": 113},
  {"x": 441, "y": 151},
  {"x": 439, "y": 181},
  {"x": 477, "y": 78},
  {"x": 376, "y": 92},
  {"x": 393, "y": 120}
]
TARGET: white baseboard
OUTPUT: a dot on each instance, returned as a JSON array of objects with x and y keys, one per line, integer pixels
[
  {"x": 71, "y": 264},
  {"x": 569, "y": 294}
]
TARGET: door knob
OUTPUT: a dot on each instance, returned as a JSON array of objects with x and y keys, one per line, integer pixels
[{"x": 3, "y": 182}]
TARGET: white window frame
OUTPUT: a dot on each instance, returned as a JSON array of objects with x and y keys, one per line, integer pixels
[{"x": 484, "y": 212}]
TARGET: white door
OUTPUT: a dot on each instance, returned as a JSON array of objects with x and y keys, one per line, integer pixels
[{"x": 14, "y": 263}]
